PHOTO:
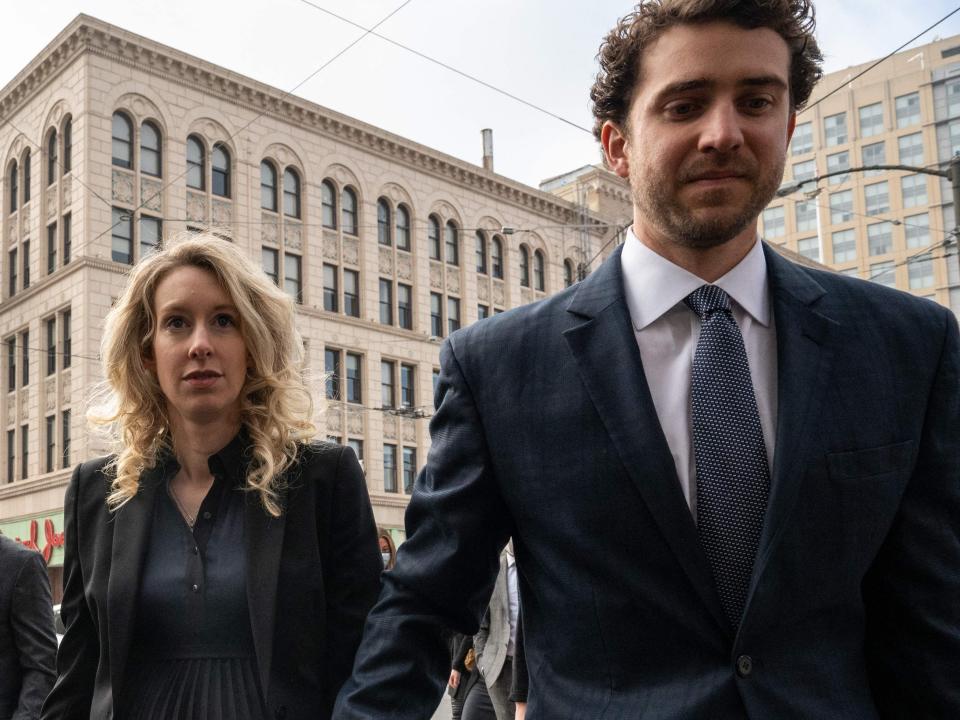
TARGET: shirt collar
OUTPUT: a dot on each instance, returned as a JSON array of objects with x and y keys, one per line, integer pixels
[{"x": 653, "y": 285}]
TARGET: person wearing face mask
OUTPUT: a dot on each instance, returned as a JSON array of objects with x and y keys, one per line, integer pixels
[{"x": 388, "y": 550}]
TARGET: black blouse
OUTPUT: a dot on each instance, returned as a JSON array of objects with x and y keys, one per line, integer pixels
[{"x": 193, "y": 655}]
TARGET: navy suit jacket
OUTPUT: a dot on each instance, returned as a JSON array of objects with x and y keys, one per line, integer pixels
[
  {"x": 28, "y": 644},
  {"x": 545, "y": 430}
]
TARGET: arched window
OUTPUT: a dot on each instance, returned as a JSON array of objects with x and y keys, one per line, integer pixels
[
  {"x": 268, "y": 186},
  {"x": 452, "y": 241},
  {"x": 348, "y": 211},
  {"x": 220, "y": 170},
  {"x": 122, "y": 146},
  {"x": 67, "y": 145},
  {"x": 291, "y": 193},
  {"x": 538, "y": 271},
  {"x": 524, "y": 266},
  {"x": 328, "y": 202},
  {"x": 481, "y": 253},
  {"x": 403, "y": 227},
  {"x": 195, "y": 155},
  {"x": 52, "y": 158},
  {"x": 26, "y": 177},
  {"x": 496, "y": 257},
  {"x": 14, "y": 174},
  {"x": 433, "y": 237},
  {"x": 383, "y": 221},
  {"x": 150, "y": 149},
  {"x": 567, "y": 273}
]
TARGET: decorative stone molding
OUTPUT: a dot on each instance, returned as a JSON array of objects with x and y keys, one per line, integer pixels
[
  {"x": 283, "y": 155},
  {"x": 50, "y": 198},
  {"x": 351, "y": 251},
  {"x": 140, "y": 106},
  {"x": 396, "y": 194},
  {"x": 342, "y": 175},
  {"x": 389, "y": 427},
  {"x": 12, "y": 234},
  {"x": 196, "y": 207},
  {"x": 50, "y": 393},
  {"x": 526, "y": 295},
  {"x": 385, "y": 258},
  {"x": 150, "y": 194},
  {"x": 453, "y": 283},
  {"x": 334, "y": 417},
  {"x": 269, "y": 232},
  {"x": 404, "y": 267},
  {"x": 409, "y": 431},
  {"x": 122, "y": 190},
  {"x": 222, "y": 212},
  {"x": 331, "y": 247},
  {"x": 87, "y": 34},
  {"x": 24, "y": 216},
  {"x": 499, "y": 297},
  {"x": 11, "y": 413},
  {"x": 483, "y": 290},
  {"x": 293, "y": 235},
  {"x": 436, "y": 276},
  {"x": 355, "y": 416},
  {"x": 66, "y": 187}
]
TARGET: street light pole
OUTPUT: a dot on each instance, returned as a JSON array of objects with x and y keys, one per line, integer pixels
[{"x": 952, "y": 174}]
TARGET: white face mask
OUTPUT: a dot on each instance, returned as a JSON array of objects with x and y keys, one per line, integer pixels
[{"x": 386, "y": 558}]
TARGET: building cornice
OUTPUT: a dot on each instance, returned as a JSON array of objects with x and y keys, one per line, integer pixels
[{"x": 87, "y": 34}]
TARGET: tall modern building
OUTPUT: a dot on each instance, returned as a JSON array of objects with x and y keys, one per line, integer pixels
[
  {"x": 111, "y": 142},
  {"x": 891, "y": 227}
]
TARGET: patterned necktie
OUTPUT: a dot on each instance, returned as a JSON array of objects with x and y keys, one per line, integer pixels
[{"x": 733, "y": 479}]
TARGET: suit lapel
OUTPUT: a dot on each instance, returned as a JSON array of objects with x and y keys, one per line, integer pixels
[
  {"x": 263, "y": 543},
  {"x": 604, "y": 339},
  {"x": 131, "y": 533},
  {"x": 805, "y": 352}
]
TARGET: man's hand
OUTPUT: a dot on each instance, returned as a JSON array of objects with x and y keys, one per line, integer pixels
[
  {"x": 521, "y": 711},
  {"x": 454, "y": 680}
]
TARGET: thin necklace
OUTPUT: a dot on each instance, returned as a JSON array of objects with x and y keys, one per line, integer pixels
[{"x": 187, "y": 517}]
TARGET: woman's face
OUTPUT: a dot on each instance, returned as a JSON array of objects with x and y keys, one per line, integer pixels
[
  {"x": 384, "y": 545},
  {"x": 199, "y": 354}
]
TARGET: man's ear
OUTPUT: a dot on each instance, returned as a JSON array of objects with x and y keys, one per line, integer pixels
[
  {"x": 791, "y": 126},
  {"x": 614, "y": 142}
]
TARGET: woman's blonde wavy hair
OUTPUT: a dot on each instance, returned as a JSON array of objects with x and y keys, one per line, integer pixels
[{"x": 276, "y": 402}]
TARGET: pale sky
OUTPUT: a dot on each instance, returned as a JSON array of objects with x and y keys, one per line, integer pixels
[{"x": 540, "y": 50}]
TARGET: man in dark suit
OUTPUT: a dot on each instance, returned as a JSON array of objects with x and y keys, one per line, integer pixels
[
  {"x": 733, "y": 483},
  {"x": 28, "y": 643}
]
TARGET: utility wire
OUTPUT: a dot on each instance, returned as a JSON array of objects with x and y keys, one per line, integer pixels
[
  {"x": 449, "y": 67},
  {"x": 884, "y": 58},
  {"x": 256, "y": 117}
]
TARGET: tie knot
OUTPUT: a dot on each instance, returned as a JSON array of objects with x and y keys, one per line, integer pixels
[{"x": 706, "y": 300}]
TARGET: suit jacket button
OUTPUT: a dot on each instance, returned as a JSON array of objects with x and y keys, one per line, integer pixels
[{"x": 744, "y": 666}]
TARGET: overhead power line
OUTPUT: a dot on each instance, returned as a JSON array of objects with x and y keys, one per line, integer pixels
[
  {"x": 447, "y": 66},
  {"x": 884, "y": 58}
]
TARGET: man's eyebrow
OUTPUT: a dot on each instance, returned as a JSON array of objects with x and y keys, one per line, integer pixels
[{"x": 678, "y": 88}]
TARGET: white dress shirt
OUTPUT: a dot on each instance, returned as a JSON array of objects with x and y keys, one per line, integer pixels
[
  {"x": 667, "y": 332},
  {"x": 513, "y": 601}
]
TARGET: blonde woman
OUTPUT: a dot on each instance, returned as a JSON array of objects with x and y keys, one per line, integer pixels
[{"x": 219, "y": 564}]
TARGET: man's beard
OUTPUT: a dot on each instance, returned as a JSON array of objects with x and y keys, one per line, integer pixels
[{"x": 656, "y": 195}]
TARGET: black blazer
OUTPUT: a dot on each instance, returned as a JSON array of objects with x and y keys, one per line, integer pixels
[
  {"x": 313, "y": 575},
  {"x": 545, "y": 430},
  {"x": 28, "y": 644}
]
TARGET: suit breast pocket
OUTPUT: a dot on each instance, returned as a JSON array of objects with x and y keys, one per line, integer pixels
[{"x": 871, "y": 463}]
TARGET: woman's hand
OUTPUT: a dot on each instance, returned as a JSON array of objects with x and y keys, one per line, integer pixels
[
  {"x": 454, "y": 680},
  {"x": 521, "y": 712}
]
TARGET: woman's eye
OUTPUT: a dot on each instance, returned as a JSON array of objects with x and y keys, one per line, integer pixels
[
  {"x": 224, "y": 321},
  {"x": 174, "y": 323}
]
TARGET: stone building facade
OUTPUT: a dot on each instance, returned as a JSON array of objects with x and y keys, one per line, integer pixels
[{"x": 111, "y": 142}]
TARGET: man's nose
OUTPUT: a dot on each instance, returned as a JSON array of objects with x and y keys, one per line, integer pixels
[{"x": 721, "y": 131}]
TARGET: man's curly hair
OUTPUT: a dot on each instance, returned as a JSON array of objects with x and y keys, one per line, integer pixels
[{"x": 621, "y": 51}]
